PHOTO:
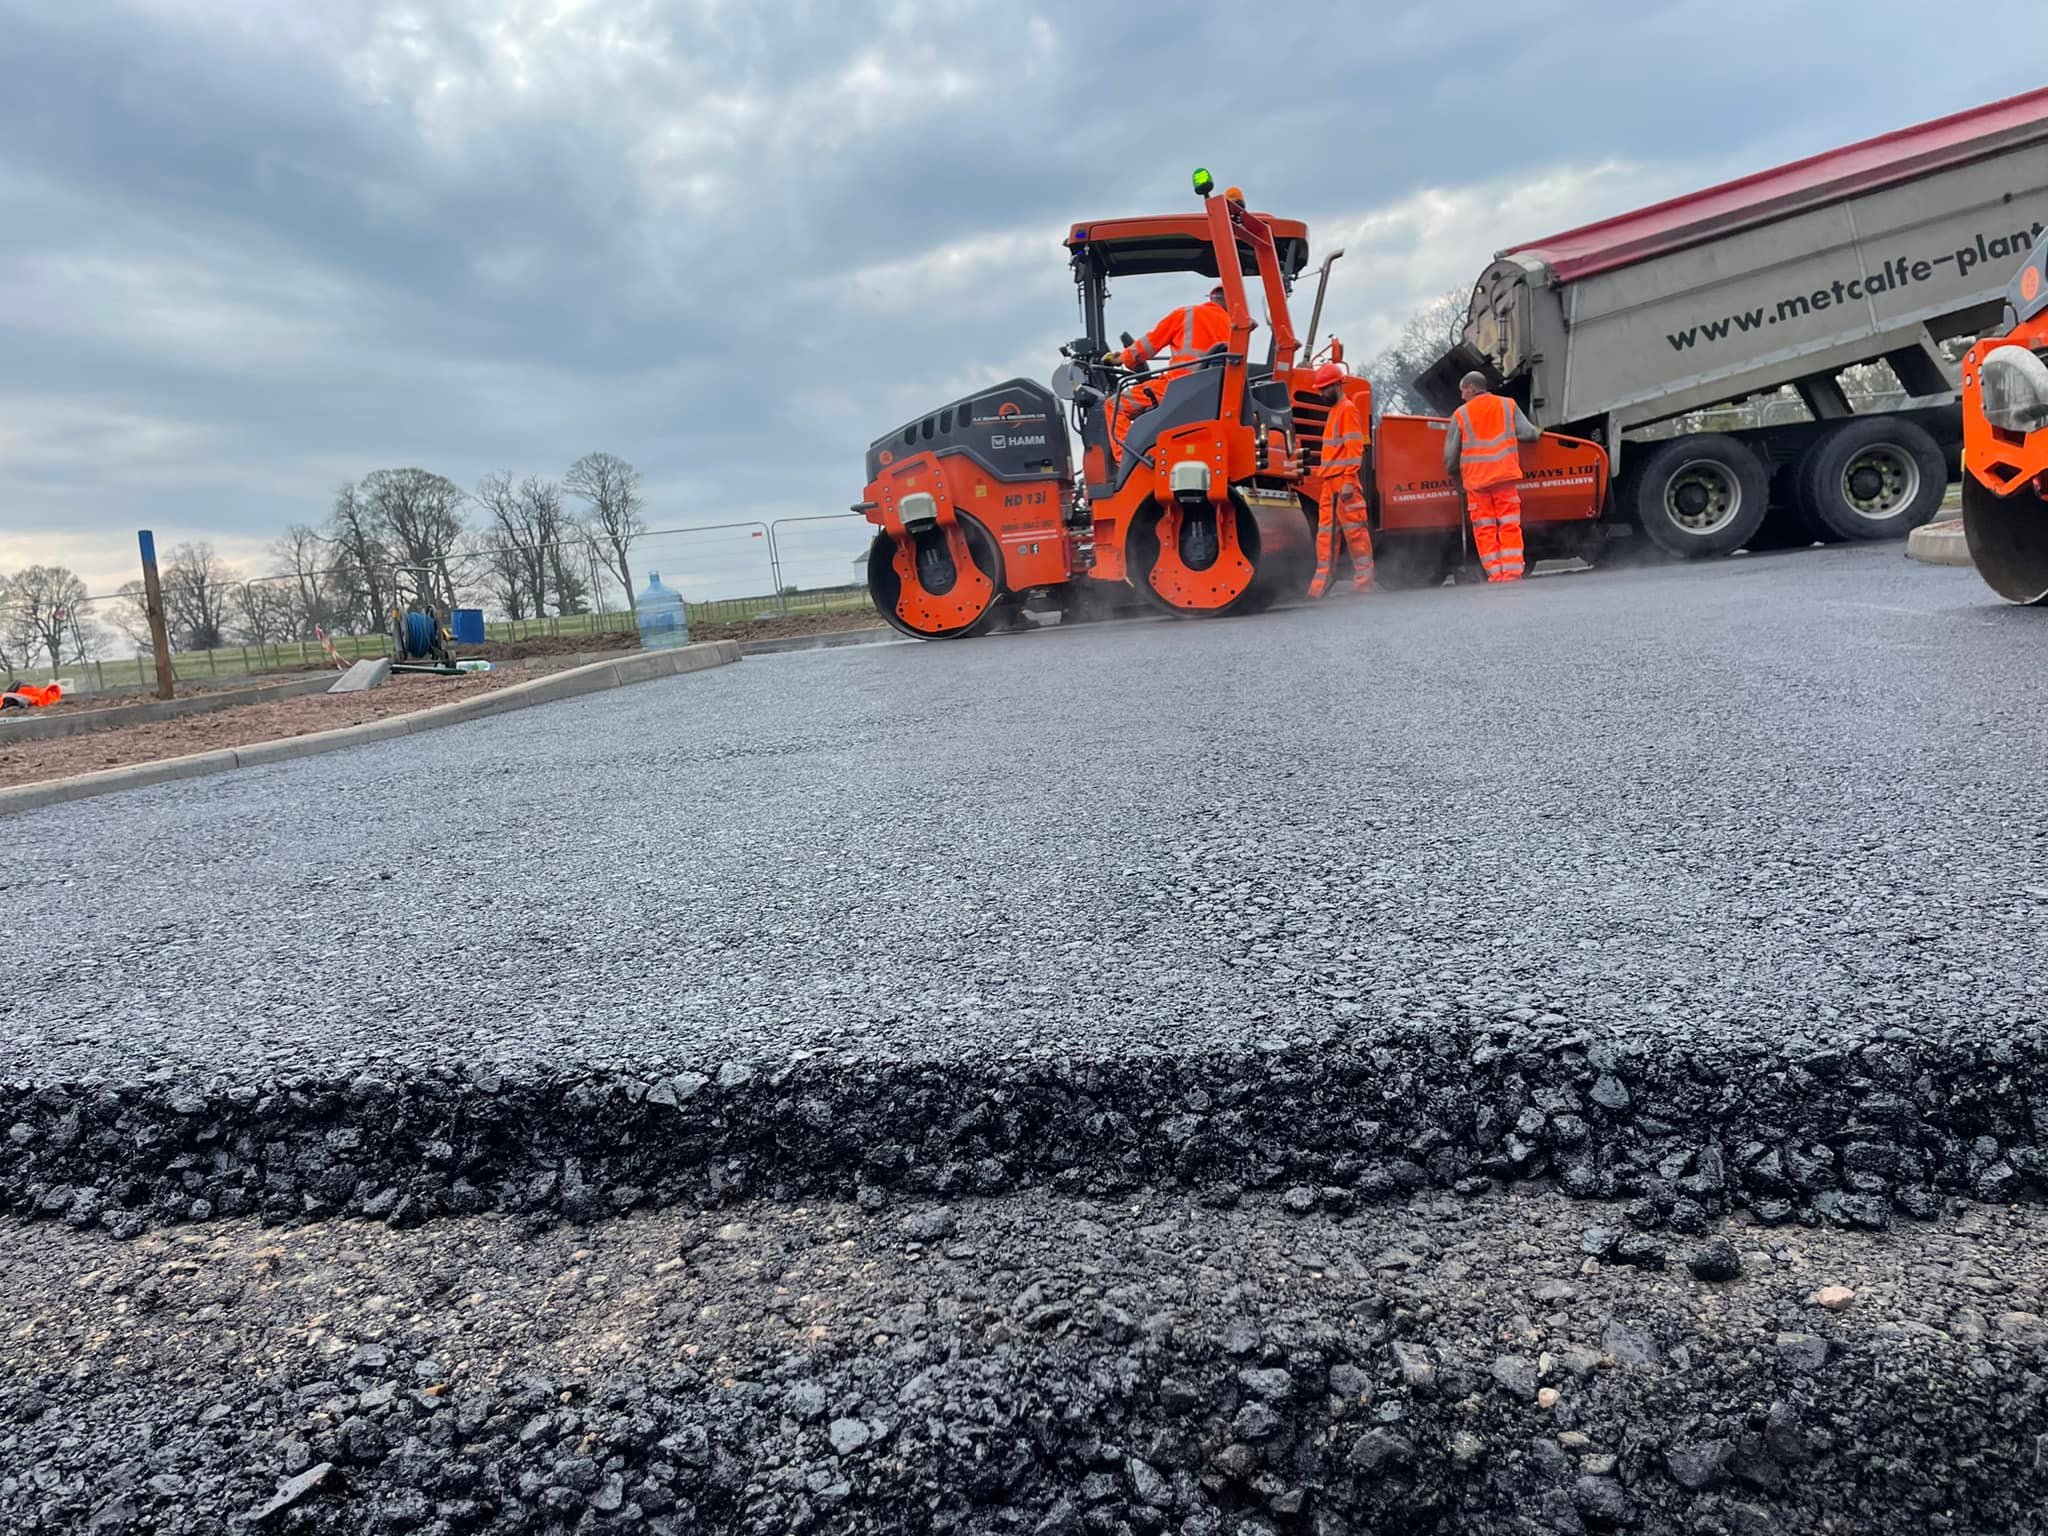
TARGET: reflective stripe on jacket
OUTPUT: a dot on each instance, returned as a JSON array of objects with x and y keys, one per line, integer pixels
[
  {"x": 1486, "y": 449},
  {"x": 1343, "y": 444},
  {"x": 1187, "y": 332}
]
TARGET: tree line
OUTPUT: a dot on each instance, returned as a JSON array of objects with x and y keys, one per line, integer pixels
[{"x": 531, "y": 547}]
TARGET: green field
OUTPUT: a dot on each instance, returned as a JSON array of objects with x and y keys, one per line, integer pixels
[{"x": 241, "y": 660}]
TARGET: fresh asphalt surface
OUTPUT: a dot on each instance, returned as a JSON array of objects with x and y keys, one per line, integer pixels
[{"x": 1798, "y": 795}]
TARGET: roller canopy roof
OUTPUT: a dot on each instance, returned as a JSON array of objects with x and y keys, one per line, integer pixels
[{"x": 1174, "y": 243}]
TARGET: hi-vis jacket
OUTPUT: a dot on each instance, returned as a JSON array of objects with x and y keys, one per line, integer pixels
[
  {"x": 1343, "y": 447},
  {"x": 1188, "y": 332},
  {"x": 1480, "y": 445}
]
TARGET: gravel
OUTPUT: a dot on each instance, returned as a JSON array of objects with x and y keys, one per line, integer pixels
[
  {"x": 1053, "y": 1364},
  {"x": 1697, "y": 888}
]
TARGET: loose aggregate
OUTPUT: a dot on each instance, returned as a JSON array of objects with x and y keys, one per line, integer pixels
[
  {"x": 1034, "y": 1363},
  {"x": 1700, "y": 888},
  {"x": 1548, "y": 1060}
]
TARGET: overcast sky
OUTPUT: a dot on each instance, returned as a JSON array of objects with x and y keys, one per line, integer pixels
[{"x": 254, "y": 248}]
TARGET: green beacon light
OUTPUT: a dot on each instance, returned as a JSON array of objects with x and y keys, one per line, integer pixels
[{"x": 1204, "y": 183}]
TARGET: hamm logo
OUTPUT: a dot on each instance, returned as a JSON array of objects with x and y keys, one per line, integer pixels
[{"x": 1017, "y": 440}]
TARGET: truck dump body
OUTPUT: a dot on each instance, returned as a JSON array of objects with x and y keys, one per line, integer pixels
[{"x": 1878, "y": 250}]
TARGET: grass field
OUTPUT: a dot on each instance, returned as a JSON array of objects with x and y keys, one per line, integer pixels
[{"x": 241, "y": 660}]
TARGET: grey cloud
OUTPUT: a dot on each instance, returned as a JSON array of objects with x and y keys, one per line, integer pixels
[{"x": 255, "y": 248}]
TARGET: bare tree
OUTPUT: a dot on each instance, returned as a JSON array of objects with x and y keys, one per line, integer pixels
[
  {"x": 45, "y": 603},
  {"x": 1424, "y": 337},
  {"x": 129, "y": 615},
  {"x": 305, "y": 557},
  {"x": 353, "y": 528},
  {"x": 519, "y": 531},
  {"x": 420, "y": 515},
  {"x": 198, "y": 586},
  {"x": 559, "y": 542},
  {"x": 17, "y": 641},
  {"x": 503, "y": 567},
  {"x": 265, "y": 611},
  {"x": 610, "y": 489}
]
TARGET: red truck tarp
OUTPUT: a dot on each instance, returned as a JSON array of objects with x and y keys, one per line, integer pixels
[{"x": 1846, "y": 172}]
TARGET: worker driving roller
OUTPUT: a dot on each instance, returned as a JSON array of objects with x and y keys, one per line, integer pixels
[
  {"x": 1185, "y": 334},
  {"x": 1480, "y": 449},
  {"x": 1340, "y": 499},
  {"x": 1188, "y": 332}
]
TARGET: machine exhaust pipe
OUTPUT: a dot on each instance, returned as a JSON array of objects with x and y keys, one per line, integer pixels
[{"x": 1308, "y": 348}]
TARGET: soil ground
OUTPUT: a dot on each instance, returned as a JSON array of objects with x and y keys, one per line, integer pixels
[
  {"x": 790, "y": 625},
  {"x": 31, "y": 762}
]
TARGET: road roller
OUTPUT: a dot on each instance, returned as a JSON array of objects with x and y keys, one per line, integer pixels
[
  {"x": 2005, "y": 442},
  {"x": 1189, "y": 494}
]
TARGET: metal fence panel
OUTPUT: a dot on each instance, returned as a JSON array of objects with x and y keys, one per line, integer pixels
[{"x": 796, "y": 565}]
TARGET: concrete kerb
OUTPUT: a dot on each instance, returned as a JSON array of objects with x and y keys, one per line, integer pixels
[
  {"x": 1942, "y": 543},
  {"x": 643, "y": 667},
  {"x": 824, "y": 642}
]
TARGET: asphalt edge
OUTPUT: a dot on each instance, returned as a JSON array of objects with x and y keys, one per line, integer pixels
[
  {"x": 1851, "y": 1137},
  {"x": 645, "y": 666}
]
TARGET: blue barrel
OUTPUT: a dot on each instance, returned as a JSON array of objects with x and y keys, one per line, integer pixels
[
  {"x": 467, "y": 626},
  {"x": 664, "y": 622}
]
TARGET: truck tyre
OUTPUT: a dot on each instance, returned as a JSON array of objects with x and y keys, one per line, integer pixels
[
  {"x": 1580, "y": 541},
  {"x": 1698, "y": 496},
  {"x": 1402, "y": 561},
  {"x": 1789, "y": 525},
  {"x": 1878, "y": 478}
]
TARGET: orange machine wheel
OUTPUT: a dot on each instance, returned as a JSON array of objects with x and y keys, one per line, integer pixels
[
  {"x": 1211, "y": 561},
  {"x": 921, "y": 590}
]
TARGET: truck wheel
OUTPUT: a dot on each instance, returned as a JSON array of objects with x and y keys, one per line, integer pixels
[
  {"x": 1698, "y": 496},
  {"x": 1788, "y": 525},
  {"x": 1403, "y": 561},
  {"x": 1581, "y": 541},
  {"x": 1874, "y": 479}
]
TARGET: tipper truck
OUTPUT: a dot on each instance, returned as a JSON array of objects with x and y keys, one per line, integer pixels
[{"x": 1879, "y": 252}]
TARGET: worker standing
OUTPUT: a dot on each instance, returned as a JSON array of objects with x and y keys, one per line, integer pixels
[
  {"x": 1480, "y": 449},
  {"x": 1340, "y": 499}
]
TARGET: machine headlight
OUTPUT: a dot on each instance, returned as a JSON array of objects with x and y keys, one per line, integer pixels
[
  {"x": 1189, "y": 481},
  {"x": 2013, "y": 384},
  {"x": 918, "y": 507}
]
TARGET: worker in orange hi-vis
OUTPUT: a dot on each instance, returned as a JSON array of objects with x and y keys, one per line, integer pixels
[
  {"x": 1480, "y": 448},
  {"x": 1340, "y": 499},
  {"x": 1184, "y": 334}
]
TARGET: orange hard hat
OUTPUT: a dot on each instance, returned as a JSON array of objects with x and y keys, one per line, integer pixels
[{"x": 1328, "y": 374}]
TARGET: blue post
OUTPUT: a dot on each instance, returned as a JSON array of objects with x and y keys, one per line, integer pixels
[{"x": 153, "y": 609}]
